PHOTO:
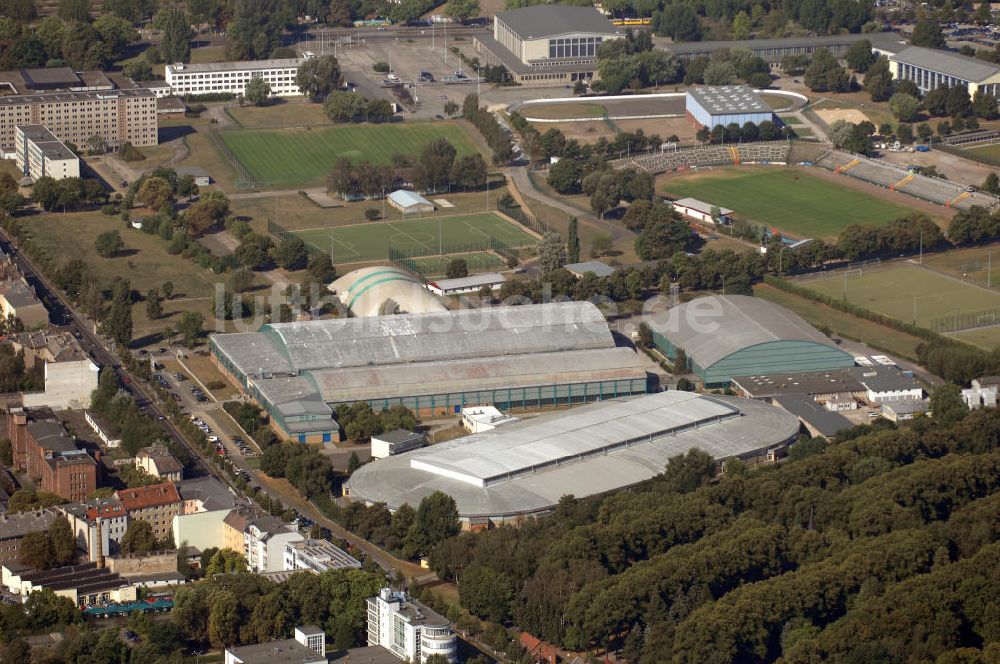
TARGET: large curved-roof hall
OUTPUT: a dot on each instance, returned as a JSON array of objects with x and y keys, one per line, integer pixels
[
  {"x": 738, "y": 335},
  {"x": 523, "y": 469}
]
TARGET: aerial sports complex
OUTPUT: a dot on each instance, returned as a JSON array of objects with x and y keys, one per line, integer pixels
[{"x": 434, "y": 363}]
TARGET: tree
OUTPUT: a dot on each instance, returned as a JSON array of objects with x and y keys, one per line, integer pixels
[
  {"x": 601, "y": 245},
  {"x": 564, "y": 176},
  {"x": 720, "y": 72},
  {"x": 190, "y": 327},
  {"x": 904, "y": 106},
  {"x": 353, "y": 463},
  {"x": 138, "y": 538},
  {"x": 117, "y": 324},
  {"x": 663, "y": 237},
  {"x": 318, "y": 77},
  {"x": 223, "y": 620},
  {"x": 486, "y": 593},
  {"x": 155, "y": 193},
  {"x": 62, "y": 542},
  {"x": 551, "y": 252},
  {"x": 108, "y": 244},
  {"x": 74, "y": 11},
  {"x": 206, "y": 214},
  {"x": 457, "y": 267},
  {"x": 451, "y": 109},
  {"x": 138, "y": 70},
  {"x": 154, "y": 307},
  {"x": 36, "y": 551},
  {"x": 878, "y": 80},
  {"x": 617, "y": 72},
  {"x": 927, "y": 33},
  {"x": 991, "y": 184},
  {"x": 461, "y": 10},
  {"x": 573, "y": 242},
  {"x": 435, "y": 165},
  {"x": 740, "y": 27},
  {"x": 947, "y": 405},
  {"x": 343, "y": 106},
  {"x": 436, "y": 520},
  {"x": 175, "y": 39},
  {"x": 859, "y": 56},
  {"x": 825, "y": 74},
  {"x": 320, "y": 269},
  {"x": 984, "y": 105},
  {"x": 257, "y": 91},
  {"x": 255, "y": 28},
  {"x": 291, "y": 253}
]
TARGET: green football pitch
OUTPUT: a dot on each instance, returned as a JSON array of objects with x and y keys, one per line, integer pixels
[
  {"x": 789, "y": 200},
  {"x": 359, "y": 243},
  {"x": 900, "y": 290},
  {"x": 288, "y": 157}
]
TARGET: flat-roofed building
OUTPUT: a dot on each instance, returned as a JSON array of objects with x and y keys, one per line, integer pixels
[
  {"x": 883, "y": 383},
  {"x": 49, "y": 454},
  {"x": 265, "y": 539},
  {"x": 470, "y": 284},
  {"x": 931, "y": 68},
  {"x": 40, "y": 154},
  {"x": 86, "y": 584},
  {"x": 116, "y": 116},
  {"x": 70, "y": 375},
  {"x": 598, "y": 268},
  {"x": 232, "y": 77},
  {"x": 205, "y": 504},
  {"x": 408, "y": 629},
  {"x": 396, "y": 441},
  {"x": 529, "y": 356},
  {"x": 900, "y": 410},
  {"x": 821, "y": 385},
  {"x": 307, "y": 647},
  {"x": 773, "y": 50},
  {"x": 549, "y": 43},
  {"x": 477, "y": 419},
  {"x": 523, "y": 469},
  {"x": 702, "y": 211},
  {"x": 317, "y": 556},
  {"x": 18, "y": 300},
  {"x": 816, "y": 419},
  {"x": 713, "y": 105}
]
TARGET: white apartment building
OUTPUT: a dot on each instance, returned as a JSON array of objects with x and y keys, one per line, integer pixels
[
  {"x": 318, "y": 556},
  {"x": 232, "y": 77},
  {"x": 39, "y": 153},
  {"x": 265, "y": 540},
  {"x": 105, "y": 514},
  {"x": 408, "y": 629}
]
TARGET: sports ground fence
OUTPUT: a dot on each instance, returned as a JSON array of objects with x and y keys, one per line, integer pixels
[
  {"x": 244, "y": 179},
  {"x": 967, "y": 320},
  {"x": 477, "y": 254},
  {"x": 517, "y": 213}
]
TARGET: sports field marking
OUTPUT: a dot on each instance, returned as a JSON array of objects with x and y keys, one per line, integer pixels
[{"x": 405, "y": 234}]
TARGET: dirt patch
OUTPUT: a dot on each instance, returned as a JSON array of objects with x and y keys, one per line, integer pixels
[{"x": 851, "y": 115}]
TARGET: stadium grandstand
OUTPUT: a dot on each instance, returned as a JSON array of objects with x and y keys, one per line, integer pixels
[
  {"x": 738, "y": 335},
  {"x": 381, "y": 290},
  {"x": 523, "y": 469},
  {"x": 763, "y": 152},
  {"x": 530, "y": 356},
  {"x": 896, "y": 178}
]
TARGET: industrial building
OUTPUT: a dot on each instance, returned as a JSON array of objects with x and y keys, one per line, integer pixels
[
  {"x": 470, "y": 284},
  {"x": 524, "y": 468},
  {"x": 308, "y": 646},
  {"x": 548, "y": 43},
  {"x": 232, "y": 77},
  {"x": 773, "y": 50},
  {"x": 317, "y": 556},
  {"x": 714, "y": 105},
  {"x": 530, "y": 356},
  {"x": 40, "y": 154},
  {"x": 931, "y": 68},
  {"x": 116, "y": 116},
  {"x": 381, "y": 290},
  {"x": 738, "y": 335},
  {"x": 396, "y": 441},
  {"x": 597, "y": 268}
]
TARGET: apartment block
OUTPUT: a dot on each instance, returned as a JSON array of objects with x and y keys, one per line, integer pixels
[
  {"x": 49, "y": 455},
  {"x": 156, "y": 504},
  {"x": 408, "y": 629},
  {"x": 115, "y": 115},
  {"x": 40, "y": 154}
]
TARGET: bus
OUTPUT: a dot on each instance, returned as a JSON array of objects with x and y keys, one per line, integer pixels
[{"x": 631, "y": 21}]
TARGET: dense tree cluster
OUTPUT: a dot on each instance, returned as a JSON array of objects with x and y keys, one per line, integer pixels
[
  {"x": 359, "y": 421},
  {"x": 727, "y": 66},
  {"x": 407, "y": 532},
  {"x": 71, "y": 38},
  {"x": 828, "y": 556},
  {"x": 493, "y": 133},
  {"x": 632, "y": 62},
  {"x": 974, "y": 226}
]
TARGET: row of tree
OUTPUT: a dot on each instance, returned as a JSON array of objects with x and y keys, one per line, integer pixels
[{"x": 436, "y": 168}]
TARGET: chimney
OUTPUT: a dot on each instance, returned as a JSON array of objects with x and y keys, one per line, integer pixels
[{"x": 99, "y": 545}]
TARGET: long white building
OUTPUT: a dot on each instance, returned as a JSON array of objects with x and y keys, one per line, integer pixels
[
  {"x": 318, "y": 556},
  {"x": 232, "y": 77},
  {"x": 408, "y": 629},
  {"x": 39, "y": 153},
  {"x": 932, "y": 68}
]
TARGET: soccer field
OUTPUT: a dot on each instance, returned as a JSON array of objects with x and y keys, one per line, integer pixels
[
  {"x": 789, "y": 200},
  {"x": 898, "y": 290},
  {"x": 297, "y": 157},
  {"x": 359, "y": 243}
]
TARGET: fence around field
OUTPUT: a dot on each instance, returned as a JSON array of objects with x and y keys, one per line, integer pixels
[
  {"x": 474, "y": 252},
  {"x": 966, "y": 152},
  {"x": 855, "y": 269},
  {"x": 968, "y": 320},
  {"x": 245, "y": 180},
  {"x": 517, "y": 213}
]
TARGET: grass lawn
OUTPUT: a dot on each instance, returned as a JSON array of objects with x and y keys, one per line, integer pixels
[
  {"x": 144, "y": 262},
  {"x": 897, "y": 289},
  {"x": 361, "y": 243},
  {"x": 777, "y": 102},
  {"x": 969, "y": 264},
  {"x": 987, "y": 150},
  {"x": 208, "y": 54},
  {"x": 10, "y": 166},
  {"x": 565, "y": 111},
  {"x": 785, "y": 199},
  {"x": 303, "y": 157},
  {"x": 986, "y": 338},
  {"x": 843, "y": 324},
  {"x": 279, "y": 113}
]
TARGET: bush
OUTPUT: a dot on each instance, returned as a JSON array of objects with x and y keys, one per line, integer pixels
[
  {"x": 215, "y": 385},
  {"x": 109, "y": 210},
  {"x": 381, "y": 67},
  {"x": 371, "y": 214}
]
